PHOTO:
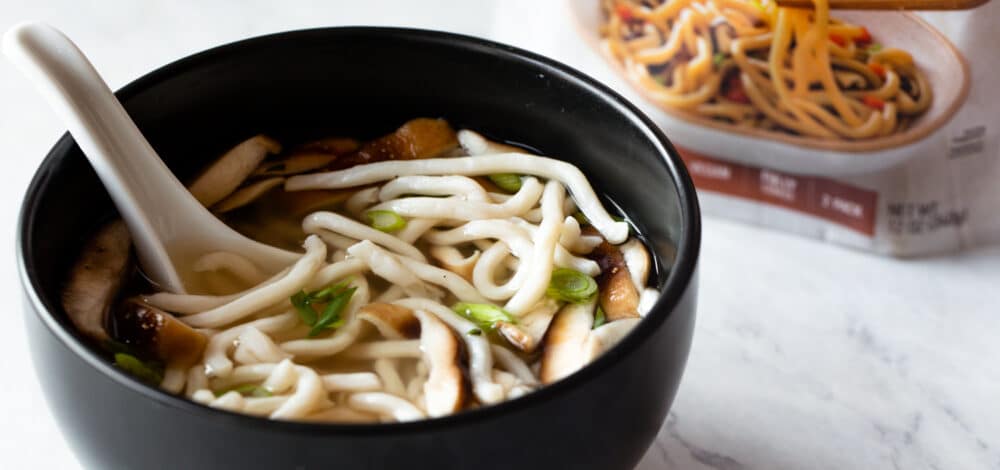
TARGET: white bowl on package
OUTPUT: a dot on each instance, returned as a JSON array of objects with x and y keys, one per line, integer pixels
[{"x": 944, "y": 66}]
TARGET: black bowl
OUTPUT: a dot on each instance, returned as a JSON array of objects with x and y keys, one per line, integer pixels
[{"x": 364, "y": 82}]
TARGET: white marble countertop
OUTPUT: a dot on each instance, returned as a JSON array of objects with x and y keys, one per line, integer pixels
[{"x": 805, "y": 355}]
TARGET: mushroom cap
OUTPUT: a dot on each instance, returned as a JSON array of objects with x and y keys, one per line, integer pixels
[
  {"x": 565, "y": 340},
  {"x": 445, "y": 389},
  {"x": 572, "y": 342},
  {"x": 96, "y": 278},
  {"x": 227, "y": 173},
  {"x": 517, "y": 337},
  {"x": 618, "y": 296},
  {"x": 246, "y": 195},
  {"x": 415, "y": 139},
  {"x": 158, "y": 333},
  {"x": 297, "y": 162},
  {"x": 530, "y": 329},
  {"x": 391, "y": 321}
]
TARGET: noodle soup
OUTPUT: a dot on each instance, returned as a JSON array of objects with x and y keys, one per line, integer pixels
[{"x": 441, "y": 272}]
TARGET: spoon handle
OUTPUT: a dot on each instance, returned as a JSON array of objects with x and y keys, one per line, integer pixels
[{"x": 128, "y": 166}]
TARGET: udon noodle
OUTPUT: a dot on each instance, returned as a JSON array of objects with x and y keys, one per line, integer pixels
[
  {"x": 752, "y": 64},
  {"x": 440, "y": 272}
]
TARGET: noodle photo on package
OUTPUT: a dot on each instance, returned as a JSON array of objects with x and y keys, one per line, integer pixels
[{"x": 754, "y": 65}]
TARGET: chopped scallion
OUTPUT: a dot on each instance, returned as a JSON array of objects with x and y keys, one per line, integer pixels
[
  {"x": 571, "y": 286},
  {"x": 600, "y": 317},
  {"x": 336, "y": 297},
  {"x": 484, "y": 315},
  {"x": 325, "y": 294},
  {"x": 876, "y": 47},
  {"x": 582, "y": 219},
  {"x": 475, "y": 332},
  {"x": 718, "y": 58},
  {"x": 507, "y": 181},
  {"x": 331, "y": 314},
  {"x": 301, "y": 303},
  {"x": 150, "y": 373},
  {"x": 386, "y": 221},
  {"x": 247, "y": 390}
]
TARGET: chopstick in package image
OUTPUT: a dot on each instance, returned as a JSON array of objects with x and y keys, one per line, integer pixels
[{"x": 873, "y": 129}]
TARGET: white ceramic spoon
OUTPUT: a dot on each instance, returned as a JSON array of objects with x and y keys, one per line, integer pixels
[{"x": 169, "y": 227}]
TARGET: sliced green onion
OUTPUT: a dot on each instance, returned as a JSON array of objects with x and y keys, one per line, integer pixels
[
  {"x": 386, "y": 221},
  {"x": 331, "y": 314},
  {"x": 325, "y": 294},
  {"x": 247, "y": 390},
  {"x": 147, "y": 372},
  {"x": 484, "y": 315},
  {"x": 571, "y": 286},
  {"x": 335, "y": 297},
  {"x": 582, "y": 219},
  {"x": 718, "y": 58},
  {"x": 600, "y": 317},
  {"x": 475, "y": 332},
  {"x": 507, "y": 181},
  {"x": 301, "y": 303},
  {"x": 876, "y": 47}
]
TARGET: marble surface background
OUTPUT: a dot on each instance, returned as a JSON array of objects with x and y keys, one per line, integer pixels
[{"x": 806, "y": 355}]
